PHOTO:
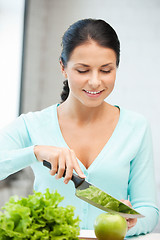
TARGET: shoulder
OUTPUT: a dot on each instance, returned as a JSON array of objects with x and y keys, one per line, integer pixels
[
  {"x": 41, "y": 113},
  {"x": 40, "y": 118},
  {"x": 132, "y": 116},
  {"x": 133, "y": 120}
]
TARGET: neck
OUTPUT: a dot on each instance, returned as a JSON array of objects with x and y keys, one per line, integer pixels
[{"x": 80, "y": 113}]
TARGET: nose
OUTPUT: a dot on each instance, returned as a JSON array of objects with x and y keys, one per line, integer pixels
[{"x": 94, "y": 81}]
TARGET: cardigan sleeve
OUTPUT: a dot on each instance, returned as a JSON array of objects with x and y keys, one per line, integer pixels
[
  {"x": 16, "y": 149},
  {"x": 141, "y": 186}
]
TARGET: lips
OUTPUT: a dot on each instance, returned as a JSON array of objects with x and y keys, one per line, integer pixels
[{"x": 93, "y": 93}]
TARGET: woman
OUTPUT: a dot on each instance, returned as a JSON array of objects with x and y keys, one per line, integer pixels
[{"x": 108, "y": 145}]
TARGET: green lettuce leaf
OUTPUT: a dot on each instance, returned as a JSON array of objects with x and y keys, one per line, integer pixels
[
  {"x": 98, "y": 196},
  {"x": 38, "y": 217}
]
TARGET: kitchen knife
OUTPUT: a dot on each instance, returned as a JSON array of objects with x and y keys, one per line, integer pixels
[{"x": 98, "y": 198}]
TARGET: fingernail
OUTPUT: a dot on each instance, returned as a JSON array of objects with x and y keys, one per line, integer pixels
[{"x": 65, "y": 181}]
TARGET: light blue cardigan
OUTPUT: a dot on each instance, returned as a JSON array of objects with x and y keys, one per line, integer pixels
[{"x": 124, "y": 168}]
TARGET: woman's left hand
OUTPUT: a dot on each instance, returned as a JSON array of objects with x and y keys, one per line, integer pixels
[{"x": 130, "y": 221}]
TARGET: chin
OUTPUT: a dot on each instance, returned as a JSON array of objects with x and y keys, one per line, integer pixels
[{"x": 92, "y": 104}]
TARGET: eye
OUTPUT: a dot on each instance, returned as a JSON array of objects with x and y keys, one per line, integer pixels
[
  {"x": 103, "y": 71},
  {"x": 82, "y": 71}
]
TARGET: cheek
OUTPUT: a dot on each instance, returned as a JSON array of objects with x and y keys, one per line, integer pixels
[
  {"x": 110, "y": 80},
  {"x": 75, "y": 80},
  {"x": 72, "y": 84}
]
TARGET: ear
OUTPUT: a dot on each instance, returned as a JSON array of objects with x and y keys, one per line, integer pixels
[{"x": 63, "y": 69}]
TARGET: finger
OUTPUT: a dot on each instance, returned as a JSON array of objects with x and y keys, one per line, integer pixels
[
  {"x": 127, "y": 202},
  {"x": 131, "y": 222},
  {"x": 54, "y": 164},
  {"x": 61, "y": 166},
  {"x": 131, "y": 225},
  {"x": 69, "y": 173},
  {"x": 69, "y": 166},
  {"x": 76, "y": 165}
]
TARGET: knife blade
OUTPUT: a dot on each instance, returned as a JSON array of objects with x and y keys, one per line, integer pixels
[{"x": 98, "y": 198}]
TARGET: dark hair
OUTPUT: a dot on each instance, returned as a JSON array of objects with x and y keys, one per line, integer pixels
[{"x": 83, "y": 31}]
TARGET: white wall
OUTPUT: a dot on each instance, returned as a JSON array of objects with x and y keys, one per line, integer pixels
[{"x": 11, "y": 37}]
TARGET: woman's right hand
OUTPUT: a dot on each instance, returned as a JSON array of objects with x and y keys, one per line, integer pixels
[{"x": 61, "y": 159}]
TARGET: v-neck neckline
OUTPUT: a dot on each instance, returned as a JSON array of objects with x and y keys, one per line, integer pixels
[{"x": 100, "y": 154}]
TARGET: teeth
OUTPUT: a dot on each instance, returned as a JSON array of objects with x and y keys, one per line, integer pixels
[{"x": 92, "y": 92}]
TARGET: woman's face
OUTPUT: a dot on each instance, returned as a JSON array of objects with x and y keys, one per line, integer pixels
[{"x": 91, "y": 73}]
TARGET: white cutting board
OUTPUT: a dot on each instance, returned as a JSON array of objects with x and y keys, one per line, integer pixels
[
  {"x": 90, "y": 235},
  {"x": 87, "y": 234}
]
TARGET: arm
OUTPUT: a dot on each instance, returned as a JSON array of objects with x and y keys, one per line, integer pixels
[
  {"x": 16, "y": 150},
  {"x": 141, "y": 188}
]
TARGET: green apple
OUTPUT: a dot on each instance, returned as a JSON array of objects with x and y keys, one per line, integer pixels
[{"x": 110, "y": 226}]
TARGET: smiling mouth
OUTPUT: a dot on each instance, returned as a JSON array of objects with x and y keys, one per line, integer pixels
[{"x": 94, "y": 93}]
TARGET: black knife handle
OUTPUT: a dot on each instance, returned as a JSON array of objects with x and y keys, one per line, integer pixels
[{"x": 75, "y": 178}]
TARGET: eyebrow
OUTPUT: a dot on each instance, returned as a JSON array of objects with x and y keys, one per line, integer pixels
[{"x": 85, "y": 65}]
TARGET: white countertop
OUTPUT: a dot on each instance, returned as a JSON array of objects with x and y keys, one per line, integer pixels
[
  {"x": 90, "y": 235},
  {"x": 150, "y": 236}
]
